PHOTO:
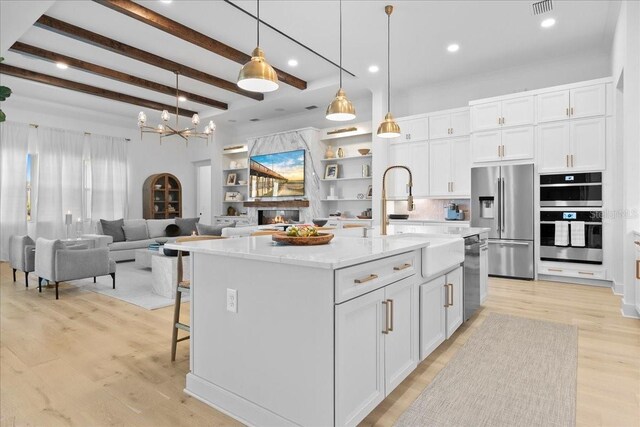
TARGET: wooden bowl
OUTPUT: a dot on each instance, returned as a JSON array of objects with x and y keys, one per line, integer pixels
[
  {"x": 321, "y": 239},
  {"x": 364, "y": 151}
]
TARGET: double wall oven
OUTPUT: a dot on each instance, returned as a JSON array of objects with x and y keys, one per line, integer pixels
[{"x": 572, "y": 202}]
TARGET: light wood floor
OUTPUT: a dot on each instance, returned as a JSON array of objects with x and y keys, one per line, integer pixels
[{"x": 90, "y": 360}]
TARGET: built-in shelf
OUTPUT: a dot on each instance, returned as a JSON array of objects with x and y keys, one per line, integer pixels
[
  {"x": 340, "y": 159},
  {"x": 345, "y": 200},
  {"x": 277, "y": 204},
  {"x": 358, "y": 178},
  {"x": 235, "y": 185},
  {"x": 234, "y": 169},
  {"x": 233, "y": 201}
]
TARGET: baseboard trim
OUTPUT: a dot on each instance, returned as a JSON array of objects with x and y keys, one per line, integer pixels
[
  {"x": 576, "y": 281},
  {"x": 629, "y": 310},
  {"x": 231, "y": 404},
  {"x": 618, "y": 288}
]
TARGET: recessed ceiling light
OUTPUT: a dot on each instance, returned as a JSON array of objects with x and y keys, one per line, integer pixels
[
  {"x": 293, "y": 63},
  {"x": 547, "y": 23},
  {"x": 182, "y": 98},
  {"x": 62, "y": 65},
  {"x": 374, "y": 68},
  {"x": 453, "y": 47}
]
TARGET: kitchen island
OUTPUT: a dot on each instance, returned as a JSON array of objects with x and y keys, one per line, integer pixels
[{"x": 318, "y": 336}]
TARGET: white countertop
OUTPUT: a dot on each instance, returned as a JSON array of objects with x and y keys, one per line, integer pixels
[
  {"x": 428, "y": 221},
  {"x": 342, "y": 251},
  {"x": 435, "y": 230}
]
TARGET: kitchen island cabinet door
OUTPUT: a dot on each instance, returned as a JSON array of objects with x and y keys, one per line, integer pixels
[
  {"x": 401, "y": 343},
  {"x": 433, "y": 320},
  {"x": 455, "y": 310},
  {"x": 359, "y": 357}
]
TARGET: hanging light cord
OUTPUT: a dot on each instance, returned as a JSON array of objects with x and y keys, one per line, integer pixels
[
  {"x": 177, "y": 100},
  {"x": 388, "y": 63},
  {"x": 258, "y": 25},
  {"x": 340, "y": 44}
]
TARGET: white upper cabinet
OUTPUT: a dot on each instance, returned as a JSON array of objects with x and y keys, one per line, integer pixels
[
  {"x": 509, "y": 112},
  {"x": 450, "y": 167},
  {"x": 486, "y": 146},
  {"x": 460, "y": 167},
  {"x": 399, "y": 154},
  {"x": 414, "y": 155},
  {"x": 581, "y": 102},
  {"x": 413, "y": 129},
  {"x": 447, "y": 125},
  {"x": 455, "y": 312},
  {"x": 517, "y": 143},
  {"x": 576, "y": 145},
  {"x": 553, "y": 106},
  {"x": 588, "y": 101},
  {"x": 517, "y": 111}
]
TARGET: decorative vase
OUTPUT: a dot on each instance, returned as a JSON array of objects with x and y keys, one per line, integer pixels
[
  {"x": 340, "y": 152},
  {"x": 329, "y": 154},
  {"x": 155, "y": 208}
]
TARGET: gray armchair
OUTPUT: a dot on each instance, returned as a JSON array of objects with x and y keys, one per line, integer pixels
[
  {"x": 22, "y": 256},
  {"x": 59, "y": 263}
]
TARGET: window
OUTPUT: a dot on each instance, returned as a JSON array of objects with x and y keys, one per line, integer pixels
[
  {"x": 86, "y": 190},
  {"x": 31, "y": 168}
]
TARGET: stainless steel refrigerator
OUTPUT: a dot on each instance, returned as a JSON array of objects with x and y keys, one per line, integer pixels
[{"x": 502, "y": 200}]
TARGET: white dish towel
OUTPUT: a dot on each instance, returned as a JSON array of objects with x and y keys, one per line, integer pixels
[
  {"x": 562, "y": 233},
  {"x": 577, "y": 234}
]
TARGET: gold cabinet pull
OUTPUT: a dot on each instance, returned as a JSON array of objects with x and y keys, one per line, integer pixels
[
  {"x": 450, "y": 294},
  {"x": 555, "y": 269},
  {"x": 402, "y": 267},
  {"x": 390, "y": 317},
  {"x": 572, "y": 111},
  {"x": 499, "y": 151},
  {"x": 503, "y": 120},
  {"x": 572, "y": 160},
  {"x": 446, "y": 301},
  {"x": 638, "y": 269},
  {"x": 588, "y": 273},
  {"x": 386, "y": 317},
  {"x": 567, "y": 110},
  {"x": 366, "y": 279},
  {"x": 452, "y": 186},
  {"x": 567, "y": 159},
  {"x": 499, "y": 121},
  {"x": 503, "y": 150}
]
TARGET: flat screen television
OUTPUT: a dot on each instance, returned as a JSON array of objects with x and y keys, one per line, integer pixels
[{"x": 277, "y": 174}]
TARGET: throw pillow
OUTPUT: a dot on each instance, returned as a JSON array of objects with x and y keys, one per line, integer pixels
[
  {"x": 113, "y": 229},
  {"x": 212, "y": 230},
  {"x": 172, "y": 230},
  {"x": 135, "y": 232},
  {"x": 187, "y": 225},
  {"x": 156, "y": 227}
]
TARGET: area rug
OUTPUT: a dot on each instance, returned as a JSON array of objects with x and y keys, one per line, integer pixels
[
  {"x": 511, "y": 372},
  {"x": 133, "y": 285}
]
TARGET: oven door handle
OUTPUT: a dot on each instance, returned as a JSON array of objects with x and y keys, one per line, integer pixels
[{"x": 573, "y": 184}]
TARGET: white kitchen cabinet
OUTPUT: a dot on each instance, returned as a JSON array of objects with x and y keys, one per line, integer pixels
[
  {"x": 448, "y": 125},
  {"x": 359, "y": 370},
  {"x": 588, "y": 144},
  {"x": 574, "y": 145},
  {"x": 502, "y": 145},
  {"x": 449, "y": 167},
  {"x": 376, "y": 347},
  {"x": 413, "y": 129},
  {"x": 636, "y": 242},
  {"x": 576, "y": 103},
  {"x": 455, "y": 310},
  {"x": 414, "y": 155},
  {"x": 506, "y": 113},
  {"x": 401, "y": 343},
  {"x": 433, "y": 319},
  {"x": 517, "y": 143}
]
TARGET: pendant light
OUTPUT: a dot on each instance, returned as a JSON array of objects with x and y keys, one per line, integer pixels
[
  {"x": 341, "y": 109},
  {"x": 257, "y": 75},
  {"x": 388, "y": 128}
]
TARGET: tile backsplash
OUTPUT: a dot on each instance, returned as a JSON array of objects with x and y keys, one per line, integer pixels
[{"x": 430, "y": 209}]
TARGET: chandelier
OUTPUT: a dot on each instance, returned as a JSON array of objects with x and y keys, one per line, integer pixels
[{"x": 165, "y": 130}]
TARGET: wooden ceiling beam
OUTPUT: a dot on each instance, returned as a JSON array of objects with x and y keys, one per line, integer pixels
[
  {"x": 113, "y": 74},
  {"x": 183, "y": 32},
  {"x": 91, "y": 90},
  {"x": 86, "y": 36}
]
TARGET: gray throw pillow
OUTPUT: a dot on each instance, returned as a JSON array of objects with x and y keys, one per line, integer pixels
[
  {"x": 135, "y": 232},
  {"x": 113, "y": 229},
  {"x": 187, "y": 225},
  {"x": 212, "y": 230}
]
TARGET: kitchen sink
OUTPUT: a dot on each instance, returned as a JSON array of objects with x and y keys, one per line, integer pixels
[{"x": 442, "y": 254}]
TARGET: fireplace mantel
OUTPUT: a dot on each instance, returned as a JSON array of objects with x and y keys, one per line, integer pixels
[{"x": 277, "y": 204}]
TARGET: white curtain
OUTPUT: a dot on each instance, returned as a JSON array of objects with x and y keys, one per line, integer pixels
[
  {"x": 13, "y": 182},
  {"x": 59, "y": 180},
  {"x": 109, "y": 186}
]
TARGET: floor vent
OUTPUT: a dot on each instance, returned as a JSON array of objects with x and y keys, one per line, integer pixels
[{"x": 541, "y": 7}]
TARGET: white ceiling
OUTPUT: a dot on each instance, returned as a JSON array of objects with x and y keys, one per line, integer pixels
[{"x": 492, "y": 35}]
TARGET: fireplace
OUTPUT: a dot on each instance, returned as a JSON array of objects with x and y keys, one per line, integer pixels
[{"x": 278, "y": 216}]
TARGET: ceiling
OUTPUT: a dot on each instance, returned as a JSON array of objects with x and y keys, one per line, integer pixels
[{"x": 491, "y": 34}]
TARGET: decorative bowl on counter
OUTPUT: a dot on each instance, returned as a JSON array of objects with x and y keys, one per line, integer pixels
[
  {"x": 319, "y": 222},
  {"x": 320, "y": 239},
  {"x": 364, "y": 151},
  {"x": 363, "y": 217}
]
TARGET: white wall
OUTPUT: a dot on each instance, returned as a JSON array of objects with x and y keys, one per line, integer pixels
[
  {"x": 457, "y": 93},
  {"x": 625, "y": 68}
]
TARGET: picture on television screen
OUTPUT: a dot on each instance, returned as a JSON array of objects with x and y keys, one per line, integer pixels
[{"x": 277, "y": 174}]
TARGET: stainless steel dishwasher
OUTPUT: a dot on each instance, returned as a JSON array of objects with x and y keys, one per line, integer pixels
[{"x": 472, "y": 247}]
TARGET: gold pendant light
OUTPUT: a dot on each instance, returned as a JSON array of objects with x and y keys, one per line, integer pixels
[
  {"x": 388, "y": 128},
  {"x": 257, "y": 75},
  {"x": 341, "y": 109}
]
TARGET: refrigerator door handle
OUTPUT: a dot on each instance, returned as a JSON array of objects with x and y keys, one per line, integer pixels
[
  {"x": 509, "y": 243},
  {"x": 499, "y": 206},
  {"x": 504, "y": 212}
]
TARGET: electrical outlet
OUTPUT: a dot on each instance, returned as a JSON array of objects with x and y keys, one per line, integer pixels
[{"x": 232, "y": 300}]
